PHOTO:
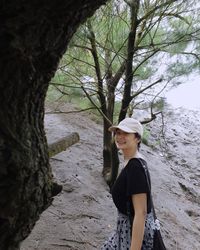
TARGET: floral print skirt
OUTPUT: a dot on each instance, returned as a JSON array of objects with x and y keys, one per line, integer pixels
[{"x": 120, "y": 239}]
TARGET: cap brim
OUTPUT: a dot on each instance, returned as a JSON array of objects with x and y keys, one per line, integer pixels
[{"x": 123, "y": 128}]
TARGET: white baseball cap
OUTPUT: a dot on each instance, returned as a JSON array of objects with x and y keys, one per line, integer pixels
[{"x": 129, "y": 125}]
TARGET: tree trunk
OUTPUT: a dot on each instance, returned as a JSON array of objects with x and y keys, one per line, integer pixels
[
  {"x": 107, "y": 159},
  {"x": 34, "y": 36},
  {"x": 129, "y": 65},
  {"x": 62, "y": 144},
  {"x": 114, "y": 164},
  {"x": 110, "y": 156}
]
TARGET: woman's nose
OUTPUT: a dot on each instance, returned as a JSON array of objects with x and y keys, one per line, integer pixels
[{"x": 120, "y": 135}]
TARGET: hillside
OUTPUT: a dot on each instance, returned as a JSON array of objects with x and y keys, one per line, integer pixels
[{"x": 83, "y": 215}]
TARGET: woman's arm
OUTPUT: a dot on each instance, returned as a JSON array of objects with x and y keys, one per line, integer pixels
[{"x": 140, "y": 208}]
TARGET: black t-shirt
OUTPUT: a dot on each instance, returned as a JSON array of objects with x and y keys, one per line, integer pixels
[{"x": 131, "y": 180}]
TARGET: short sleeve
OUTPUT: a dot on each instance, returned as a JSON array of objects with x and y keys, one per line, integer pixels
[{"x": 136, "y": 179}]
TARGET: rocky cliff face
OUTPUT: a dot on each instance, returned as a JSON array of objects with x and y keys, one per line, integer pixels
[{"x": 83, "y": 215}]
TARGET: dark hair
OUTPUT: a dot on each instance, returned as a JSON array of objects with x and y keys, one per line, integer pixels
[{"x": 139, "y": 138}]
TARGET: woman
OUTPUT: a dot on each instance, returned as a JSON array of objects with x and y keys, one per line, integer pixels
[{"x": 130, "y": 192}]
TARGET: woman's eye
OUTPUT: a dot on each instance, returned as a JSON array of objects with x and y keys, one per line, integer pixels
[{"x": 121, "y": 133}]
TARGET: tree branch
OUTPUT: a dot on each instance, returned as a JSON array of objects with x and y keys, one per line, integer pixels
[
  {"x": 153, "y": 117},
  {"x": 149, "y": 86},
  {"x": 101, "y": 96},
  {"x": 82, "y": 47},
  {"x": 93, "y": 103},
  {"x": 147, "y": 15},
  {"x": 69, "y": 112},
  {"x": 147, "y": 58}
]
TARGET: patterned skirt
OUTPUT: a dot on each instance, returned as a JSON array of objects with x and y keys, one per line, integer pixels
[{"x": 121, "y": 237}]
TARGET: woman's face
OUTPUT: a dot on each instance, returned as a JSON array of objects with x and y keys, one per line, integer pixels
[{"x": 125, "y": 141}]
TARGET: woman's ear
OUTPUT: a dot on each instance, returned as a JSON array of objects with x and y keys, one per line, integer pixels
[{"x": 138, "y": 140}]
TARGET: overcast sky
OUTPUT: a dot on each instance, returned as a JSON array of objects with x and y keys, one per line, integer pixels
[{"x": 187, "y": 95}]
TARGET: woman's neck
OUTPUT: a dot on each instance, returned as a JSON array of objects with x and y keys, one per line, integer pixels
[{"x": 130, "y": 154}]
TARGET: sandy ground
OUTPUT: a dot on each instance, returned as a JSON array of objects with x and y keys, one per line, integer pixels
[{"x": 83, "y": 215}]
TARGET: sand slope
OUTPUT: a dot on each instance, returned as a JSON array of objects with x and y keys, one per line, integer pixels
[{"x": 83, "y": 215}]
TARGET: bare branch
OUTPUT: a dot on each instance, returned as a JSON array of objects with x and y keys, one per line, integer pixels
[
  {"x": 61, "y": 91},
  {"x": 148, "y": 87},
  {"x": 151, "y": 12},
  {"x": 64, "y": 85},
  {"x": 73, "y": 86},
  {"x": 197, "y": 56},
  {"x": 94, "y": 52},
  {"x": 177, "y": 16},
  {"x": 95, "y": 105},
  {"x": 69, "y": 112},
  {"x": 82, "y": 61},
  {"x": 146, "y": 59},
  {"x": 153, "y": 117},
  {"x": 115, "y": 79},
  {"x": 82, "y": 47}
]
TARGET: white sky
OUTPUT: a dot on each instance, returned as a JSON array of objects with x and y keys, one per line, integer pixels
[{"x": 186, "y": 95}]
